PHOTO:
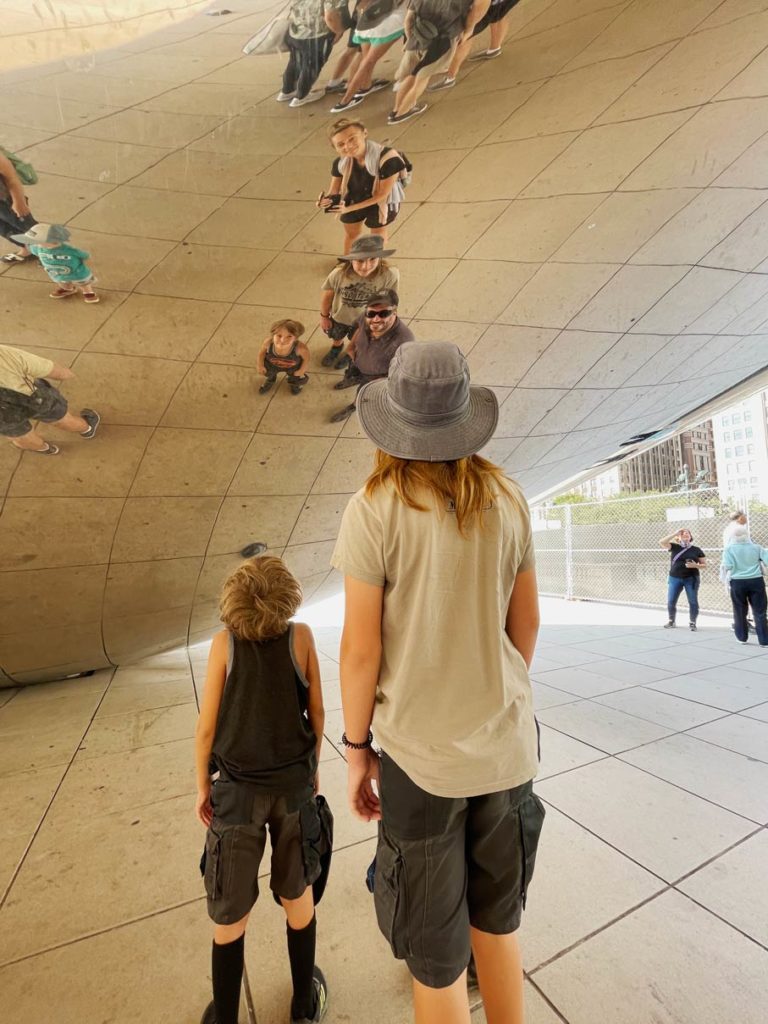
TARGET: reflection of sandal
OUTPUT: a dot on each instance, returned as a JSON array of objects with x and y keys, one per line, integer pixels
[
  {"x": 63, "y": 293},
  {"x": 90, "y": 296},
  {"x": 17, "y": 257}
]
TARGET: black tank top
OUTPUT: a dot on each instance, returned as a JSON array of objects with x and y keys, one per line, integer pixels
[{"x": 263, "y": 735}]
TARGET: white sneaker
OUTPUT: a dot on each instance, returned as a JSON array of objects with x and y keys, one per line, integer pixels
[
  {"x": 283, "y": 97},
  {"x": 311, "y": 97}
]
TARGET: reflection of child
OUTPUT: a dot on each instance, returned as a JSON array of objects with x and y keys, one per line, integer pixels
[
  {"x": 64, "y": 264},
  {"x": 282, "y": 352}
]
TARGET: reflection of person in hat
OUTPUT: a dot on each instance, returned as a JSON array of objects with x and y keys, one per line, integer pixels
[
  {"x": 380, "y": 333},
  {"x": 64, "y": 264},
  {"x": 440, "y": 627},
  {"x": 344, "y": 293}
]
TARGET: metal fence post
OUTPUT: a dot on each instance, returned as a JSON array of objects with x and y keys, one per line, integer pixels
[{"x": 568, "y": 552}]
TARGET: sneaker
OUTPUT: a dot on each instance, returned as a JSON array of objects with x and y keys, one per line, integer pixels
[
  {"x": 266, "y": 386},
  {"x": 692, "y": 626},
  {"x": 321, "y": 1000},
  {"x": 744, "y": 642},
  {"x": 283, "y": 97},
  {"x": 486, "y": 54},
  {"x": 311, "y": 97},
  {"x": 341, "y": 106},
  {"x": 296, "y": 389},
  {"x": 342, "y": 362},
  {"x": 340, "y": 86},
  {"x": 376, "y": 84},
  {"x": 345, "y": 413},
  {"x": 413, "y": 112},
  {"x": 209, "y": 1014},
  {"x": 333, "y": 353},
  {"x": 670, "y": 624},
  {"x": 442, "y": 83},
  {"x": 345, "y": 382},
  {"x": 50, "y": 449},
  {"x": 93, "y": 420}
]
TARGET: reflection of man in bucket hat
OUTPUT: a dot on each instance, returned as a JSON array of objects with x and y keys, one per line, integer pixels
[
  {"x": 344, "y": 293},
  {"x": 379, "y": 335},
  {"x": 64, "y": 264}
]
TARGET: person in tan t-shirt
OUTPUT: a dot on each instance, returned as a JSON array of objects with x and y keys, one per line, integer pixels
[
  {"x": 26, "y": 395},
  {"x": 440, "y": 627}
]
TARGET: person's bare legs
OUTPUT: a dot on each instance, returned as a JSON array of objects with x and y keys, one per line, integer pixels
[
  {"x": 363, "y": 77},
  {"x": 223, "y": 934},
  {"x": 30, "y": 442},
  {"x": 301, "y": 911},
  {"x": 351, "y": 232},
  {"x": 461, "y": 54},
  {"x": 34, "y": 442},
  {"x": 500, "y": 976},
  {"x": 349, "y": 60},
  {"x": 499, "y": 30},
  {"x": 441, "y": 1005},
  {"x": 381, "y": 232},
  {"x": 74, "y": 424},
  {"x": 408, "y": 97}
]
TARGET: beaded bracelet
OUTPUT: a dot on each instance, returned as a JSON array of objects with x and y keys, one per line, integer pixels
[{"x": 358, "y": 746}]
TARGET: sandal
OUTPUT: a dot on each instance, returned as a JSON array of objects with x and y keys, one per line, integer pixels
[
  {"x": 90, "y": 296},
  {"x": 17, "y": 257},
  {"x": 63, "y": 293}
]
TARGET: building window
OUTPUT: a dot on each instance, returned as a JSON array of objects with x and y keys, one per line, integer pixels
[
  {"x": 747, "y": 415},
  {"x": 739, "y": 450},
  {"x": 729, "y": 453},
  {"x": 726, "y": 435},
  {"x": 742, "y": 481},
  {"x": 730, "y": 469},
  {"x": 725, "y": 421},
  {"x": 736, "y": 418},
  {"x": 738, "y": 435},
  {"x": 754, "y": 480},
  {"x": 752, "y": 466},
  {"x": 750, "y": 449},
  {"x": 741, "y": 467},
  {"x": 748, "y": 432}
]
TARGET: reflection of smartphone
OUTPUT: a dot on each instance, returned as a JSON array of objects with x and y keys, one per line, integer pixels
[{"x": 335, "y": 203}]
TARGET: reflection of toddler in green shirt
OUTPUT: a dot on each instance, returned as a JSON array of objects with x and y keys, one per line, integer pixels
[{"x": 65, "y": 265}]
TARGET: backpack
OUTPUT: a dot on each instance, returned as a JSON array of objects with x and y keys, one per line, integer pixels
[
  {"x": 26, "y": 172},
  {"x": 406, "y": 174}
]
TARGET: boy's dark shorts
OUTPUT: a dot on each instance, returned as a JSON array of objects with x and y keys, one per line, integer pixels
[
  {"x": 46, "y": 404},
  {"x": 236, "y": 840},
  {"x": 369, "y": 215},
  {"x": 339, "y": 331},
  {"x": 495, "y": 13},
  {"x": 443, "y": 864}
]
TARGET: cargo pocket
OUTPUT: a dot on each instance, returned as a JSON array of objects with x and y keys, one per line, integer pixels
[
  {"x": 311, "y": 839},
  {"x": 390, "y": 895},
  {"x": 211, "y": 864},
  {"x": 531, "y": 820}
]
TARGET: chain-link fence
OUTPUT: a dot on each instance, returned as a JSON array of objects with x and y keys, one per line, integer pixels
[{"x": 609, "y": 550}]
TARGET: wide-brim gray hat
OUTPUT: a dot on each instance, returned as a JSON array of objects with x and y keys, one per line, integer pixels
[
  {"x": 369, "y": 247},
  {"x": 426, "y": 408}
]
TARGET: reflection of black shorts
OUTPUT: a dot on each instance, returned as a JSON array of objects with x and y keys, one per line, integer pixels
[
  {"x": 439, "y": 46},
  {"x": 369, "y": 214},
  {"x": 495, "y": 13},
  {"x": 45, "y": 404},
  {"x": 235, "y": 843},
  {"x": 443, "y": 864}
]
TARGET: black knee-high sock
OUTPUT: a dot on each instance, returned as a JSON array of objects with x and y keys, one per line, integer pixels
[
  {"x": 227, "y": 971},
  {"x": 301, "y": 953}
]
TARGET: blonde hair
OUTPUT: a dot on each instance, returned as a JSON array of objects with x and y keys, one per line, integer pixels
[
  {"x": 470, "y": 485},
  {"x": 342, "y": 124},
  {"x": 259, "y": 598},
  {"x": 294, "y": 327}
]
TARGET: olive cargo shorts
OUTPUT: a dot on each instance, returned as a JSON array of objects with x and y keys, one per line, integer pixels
[{"x": 443, "y": 864}]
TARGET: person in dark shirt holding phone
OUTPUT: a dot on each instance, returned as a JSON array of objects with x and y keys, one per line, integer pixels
[{"x": 684, "y": 575}]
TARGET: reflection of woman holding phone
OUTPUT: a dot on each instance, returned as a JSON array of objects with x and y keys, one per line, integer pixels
[{"x": 686, "y": 561}]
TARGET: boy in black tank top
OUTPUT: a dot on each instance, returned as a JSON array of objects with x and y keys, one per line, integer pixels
[
  {"x": 283, "y": 352},
  {"x": 257, "y": 748}
]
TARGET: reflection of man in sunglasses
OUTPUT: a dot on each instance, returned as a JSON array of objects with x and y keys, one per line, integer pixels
[{"x": 379, "y": 334}]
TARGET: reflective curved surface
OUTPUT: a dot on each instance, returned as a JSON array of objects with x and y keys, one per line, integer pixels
[{"x": 587, "y": 220}]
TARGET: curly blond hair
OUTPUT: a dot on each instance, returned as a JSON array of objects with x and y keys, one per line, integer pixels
[{"x": 259, "y": 598}]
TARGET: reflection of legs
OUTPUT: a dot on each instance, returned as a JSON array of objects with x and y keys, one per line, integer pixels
[
  {"x": 674, "y": 590},
  {"x": 30, "y": 442},
  {"x": 499, "y": 30},
  {"x": 441, "y": 1005},
  {"x": 759, "y": 603},
  {"x": 500, "y": 975},
  {"x": 351, "y": 232},
  {"x": 349, "y": 61},
  {"x": 311, "y": 63},
  {"x": 292, "y": 68},
  {"x": 269, "y": 383},
  {"x": 363, "y": 77},
  {"x": 301, "y": 930},
  {"x": 739, "y": 600},
  {"x": 297, "y": 383},
  {"x": 227, "y": 958}
]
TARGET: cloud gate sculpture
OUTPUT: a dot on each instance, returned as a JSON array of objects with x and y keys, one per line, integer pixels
[{"x": 587, "y": 220}]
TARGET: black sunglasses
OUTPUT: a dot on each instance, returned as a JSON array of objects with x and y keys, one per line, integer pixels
[{"x": 381, "y": 313}]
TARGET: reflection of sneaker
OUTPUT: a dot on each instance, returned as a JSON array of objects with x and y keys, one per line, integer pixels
[
  {"x": 345, "y": 382},
  {"x": 486, "y": 54},
  {"x": 340, "y": 86},
  {"x": 266, "y": 386},
  {"x": 321, "y": 1000},
  {"x": 333, "y": 353},
  {"x": 209, "y": 1014},
  {"x": 341, "y": 106},
  {"x": 283, "y": 97},
  {"x": 345, "y": 413},
  {"x": 692, "y": 626},
  {"x": 376, "y": 84},
  {"x": 93, "y": 420},
  {"x": 311, "y": 97},
  {"x": 342, "y": 362},
  {"x": 413, "y": 112},
  {"x": 442, "y": 83},
  {"x": 670, "y": 624}
]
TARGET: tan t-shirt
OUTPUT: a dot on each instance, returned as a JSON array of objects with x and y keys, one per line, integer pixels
[
  {"x": 19, "y": 369},
  {"x": 453, "y": 706},
  {"x": 352, "y": 292}
]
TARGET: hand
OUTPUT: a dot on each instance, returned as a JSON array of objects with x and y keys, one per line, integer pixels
[
  {"x": 323, "y": 201},
  {"x": 363, "y": 768},
  {"x": 203, "y": 807},
  {"x": 20, "y": 206},
  {"x": 325, "y": 321}
]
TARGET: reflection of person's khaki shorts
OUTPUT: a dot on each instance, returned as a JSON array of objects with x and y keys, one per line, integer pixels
[
  {"x": 434, "y": 60},
  {"x": 46, "y": 404},
  {"x": 233, "y": 852},
  {"x": 443, "y": 864}
]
